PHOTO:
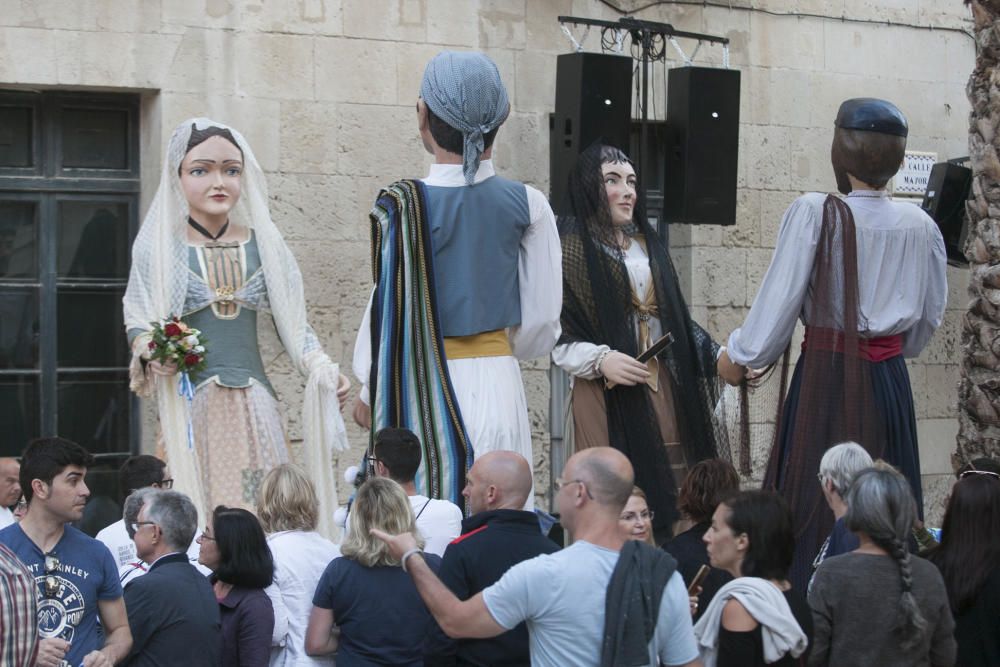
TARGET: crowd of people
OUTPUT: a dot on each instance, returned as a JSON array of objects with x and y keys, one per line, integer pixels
[
  {"x": 264, "y": 588},
  {"x": 442, "y": 559}
]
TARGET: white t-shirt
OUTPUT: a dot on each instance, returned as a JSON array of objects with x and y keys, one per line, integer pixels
[
  {"x": 121, "y": 546},
  {"x": 6, "y": 517},
  {"x": 439, "y": 521},
  {"x": 562, "y": 597},
  {"x": 299, "y": 561}
]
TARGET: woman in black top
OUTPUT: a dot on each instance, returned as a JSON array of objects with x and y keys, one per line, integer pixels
[
  {"x": 969, "y": 561},
  {"x": 751, "y": 538},
  {"x": 704, "y": 486}
]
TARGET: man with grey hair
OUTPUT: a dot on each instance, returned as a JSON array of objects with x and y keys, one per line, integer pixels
[
  {"x": 173, "y": 608},
  {"x": 582, "y": 605},
  {"x": 135, "y": 566},
  {"x": 837, "y": 469},
  {"x": 488, "y": 269}
]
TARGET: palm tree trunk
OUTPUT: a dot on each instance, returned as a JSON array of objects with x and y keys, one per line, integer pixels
[{"x": 979, "y": 387}]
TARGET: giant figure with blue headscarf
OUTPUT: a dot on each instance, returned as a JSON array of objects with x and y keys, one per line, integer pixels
[
  {"x": 867, "y": 277},
  {"x": 468, "y": 280}
]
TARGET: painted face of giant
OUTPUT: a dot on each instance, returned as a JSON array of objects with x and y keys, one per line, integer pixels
[
  {"x": 211, "y": 178},
  {"x": 619, "y": 185}
]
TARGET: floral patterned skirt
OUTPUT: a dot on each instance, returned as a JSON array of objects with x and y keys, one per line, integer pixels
[{"x": 238, "y": 438}]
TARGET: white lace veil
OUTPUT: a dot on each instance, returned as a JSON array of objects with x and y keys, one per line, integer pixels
[{"x": 158, "y": 288}]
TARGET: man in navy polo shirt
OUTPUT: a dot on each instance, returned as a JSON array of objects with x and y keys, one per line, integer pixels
[
  {"x": 76, "y": 575},
  {"x": 498, "y": 535}
]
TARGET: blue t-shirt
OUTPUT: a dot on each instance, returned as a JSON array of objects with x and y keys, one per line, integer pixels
[
  {"x": 86, "y": 574},
  {"x": 381, "y": 617},
  {"x": 562, "y": 598}
]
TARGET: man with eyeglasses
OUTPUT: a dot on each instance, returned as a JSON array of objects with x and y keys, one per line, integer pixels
[
  {"x": 75, "y": 574},
  {"x": 172, "y": 609},
  {"x": 397, "y": 456},
  {"x": 582, "y": 605},
  {"x": 138, "y": 472}
]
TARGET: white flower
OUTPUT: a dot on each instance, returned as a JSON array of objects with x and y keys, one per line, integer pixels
[
  {"x": 190, "y": 341},
  {"x": 199, "y": 349}
]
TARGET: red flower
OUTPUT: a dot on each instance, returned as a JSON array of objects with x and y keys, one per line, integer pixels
[
  {"x": 191, "y": 359},
  {"x": 152, "y": 345},
  {"x": 172, "y": 330}
]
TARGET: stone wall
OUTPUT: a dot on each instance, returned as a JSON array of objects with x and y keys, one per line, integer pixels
[{"x": 324, "y": 91}]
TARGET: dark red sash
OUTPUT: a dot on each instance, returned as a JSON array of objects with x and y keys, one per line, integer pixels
[{"x": 871, "y": 349}]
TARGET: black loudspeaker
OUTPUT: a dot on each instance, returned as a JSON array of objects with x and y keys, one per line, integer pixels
[
  {"x": 703, "y": 116},
  {"x": 947, "y": 191},
  {"x": 593, "y": 101}
]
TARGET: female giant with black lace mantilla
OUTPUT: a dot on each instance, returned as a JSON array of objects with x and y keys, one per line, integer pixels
[{"x": 620, "y": 294}]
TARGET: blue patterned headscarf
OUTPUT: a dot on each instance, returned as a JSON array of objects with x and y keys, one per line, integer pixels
[{"x": 464, "y": 90}]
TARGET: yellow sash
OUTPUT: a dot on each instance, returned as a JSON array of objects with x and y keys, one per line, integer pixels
[{"x": 486, "y": 344}]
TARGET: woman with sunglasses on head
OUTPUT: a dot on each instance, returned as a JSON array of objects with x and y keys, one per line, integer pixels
[
  {"x": 209, "y": 253},
  {"x": 234, "y": 548},
  {"x": 620, "y": 298},
  {"x": 969, "y": 560}
]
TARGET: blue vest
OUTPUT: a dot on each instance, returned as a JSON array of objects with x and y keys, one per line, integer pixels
[{"x": 476, "y": 233}]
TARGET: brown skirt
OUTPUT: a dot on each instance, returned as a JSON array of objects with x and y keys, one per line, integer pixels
[{"x": 590, "y": 418}]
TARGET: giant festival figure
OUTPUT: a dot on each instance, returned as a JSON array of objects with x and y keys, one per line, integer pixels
[
  {"x": 866, "y": 275},
  {"x": 209, "y": 253},
  {"x": 467, "y": 281}
]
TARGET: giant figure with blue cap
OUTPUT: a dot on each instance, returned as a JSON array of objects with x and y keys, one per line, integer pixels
[
  {"x": 468, "y": 280},
  {"x": 866, "y": 276}
]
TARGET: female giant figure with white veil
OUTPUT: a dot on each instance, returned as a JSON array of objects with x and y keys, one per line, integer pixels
[{"x": 209, "y": 253}]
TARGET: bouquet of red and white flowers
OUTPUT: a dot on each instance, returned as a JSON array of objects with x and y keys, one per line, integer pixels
[{"x": 175, "y": 343}]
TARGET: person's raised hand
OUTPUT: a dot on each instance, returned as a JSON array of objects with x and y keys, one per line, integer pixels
[
  {"x": 398, "y": 544},
  {"x": 620, "y": 368}
]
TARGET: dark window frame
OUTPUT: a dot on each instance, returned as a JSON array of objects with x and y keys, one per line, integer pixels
[{"x": 47, "y": 183}]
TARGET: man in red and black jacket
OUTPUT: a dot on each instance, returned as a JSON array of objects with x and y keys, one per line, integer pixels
[{"x": 497, "y": 536}]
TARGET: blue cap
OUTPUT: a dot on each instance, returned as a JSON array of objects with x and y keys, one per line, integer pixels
[{"x": 872, "y": 115}]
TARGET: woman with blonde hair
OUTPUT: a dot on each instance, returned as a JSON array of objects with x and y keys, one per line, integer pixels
[
  {"x": 289, "y": 512},
  {"x": 379, "y": 615}
]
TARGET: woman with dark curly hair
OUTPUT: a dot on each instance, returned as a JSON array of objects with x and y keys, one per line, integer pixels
[
  {"x": 969, "y": 561},
  {"x": 234, "y": 548},
  {"x": 705, "y": 485}
]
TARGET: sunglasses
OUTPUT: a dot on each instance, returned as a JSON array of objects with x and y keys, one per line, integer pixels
[{"x": 51, "y": 580}]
